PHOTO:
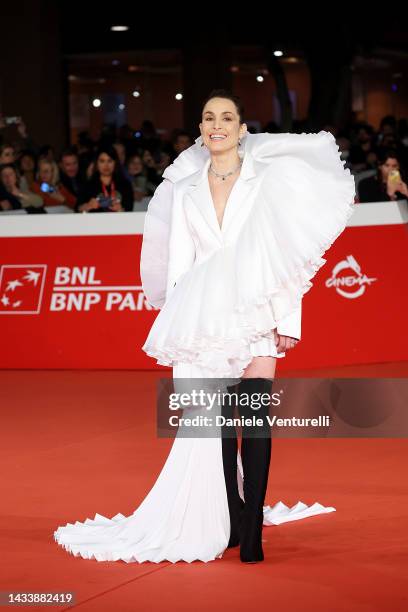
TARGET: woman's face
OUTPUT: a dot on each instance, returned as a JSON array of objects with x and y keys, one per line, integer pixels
[
  {"x": 363, "y": 135},
  {"x": 9, "y": 178},
  {"x": 49, "y": 155},
  {"x": 7, "y": 156},
  {"x": 164, "y": 161},
  {"x": 390, "y": 164},
  {"x": 388, "y": 129},
  {"x": 182, "y": 143},
  {"x": 389, "y": 141},
  {"x": 148, "y": 159},
  {"x": 121, "y": 151},
  {"x": 45, "y": 172},
  {"x": 105, "y": 164},
  {"x": 135, "y": 166},
  {"x": 27, "y": 163},
  {"x": 220, "y": 118}
]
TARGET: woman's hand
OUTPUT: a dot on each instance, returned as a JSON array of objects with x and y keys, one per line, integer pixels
[
  {"x": 138, "y": 195},
  {"x": 93, "y": 203},
  {"x": 393, "y": 187},
  {"x": 116, "y": 206},
  {"x": 57, "y": 195},
  {"x": 16, "y": 192},
  {"x": 402, "y": 188},
  {"x": 22, "y": 128},
  {"x": 284, "y": 343},
  {"x": 22, "y": 196}
]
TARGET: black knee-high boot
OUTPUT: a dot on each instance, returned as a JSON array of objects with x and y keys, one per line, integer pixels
[
  {"x": 229, "y": 457},
  {"x": 256, "y": 455}
]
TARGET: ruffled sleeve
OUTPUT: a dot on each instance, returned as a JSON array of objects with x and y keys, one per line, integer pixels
[
  {"x": 155, "y": 245},
  {"x": 154, "y": 258},
  {"x": 305, "y": 200}
]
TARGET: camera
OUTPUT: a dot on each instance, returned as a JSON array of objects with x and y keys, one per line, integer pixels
[
  {"x": 47, "y": 188},
  {"x": 106, "y": 201},
  {"x": 11, "y": 120}
]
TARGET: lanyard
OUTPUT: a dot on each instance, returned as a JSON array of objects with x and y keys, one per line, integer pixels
[{"x": 112, "y": 192}]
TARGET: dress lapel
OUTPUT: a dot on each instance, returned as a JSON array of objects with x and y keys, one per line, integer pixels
[{"x": 200, "y": 193}]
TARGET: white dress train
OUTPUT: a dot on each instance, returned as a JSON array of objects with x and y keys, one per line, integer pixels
[{"x": 185, "y": 515}]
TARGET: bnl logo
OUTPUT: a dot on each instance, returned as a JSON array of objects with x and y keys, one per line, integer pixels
[{"x": 21, "y": 288}]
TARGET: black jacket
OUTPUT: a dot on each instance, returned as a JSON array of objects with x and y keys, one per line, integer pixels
[
  {"x": 372, "y": 189},
  {"x": 74, "y": 185},
  {"x": 93, "y": 187},
  {"x": 6, "y": 195}
]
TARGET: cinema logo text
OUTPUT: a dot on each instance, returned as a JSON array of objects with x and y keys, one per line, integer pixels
[{"x": 348, "y": 279}]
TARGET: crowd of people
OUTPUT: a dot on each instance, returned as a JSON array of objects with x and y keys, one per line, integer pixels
[{"x": 120, "y": 171}]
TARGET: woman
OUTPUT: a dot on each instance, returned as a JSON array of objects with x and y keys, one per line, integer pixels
[
  {"x": 107, "y": 190},
  {"x": 163, "y": 163},
  {"x": 7, "y": 154},
  {"x": 14, "y": 186},
  {"x": 387, "y": 184},
  {"x": 52, "y": 192},
  {"x": 151, "y": 166},
  {"x": 27, "y": 164},
  {"x": 47, "y": 152},
  {"x": 141, "y": 184},
  {"x": 229, "y": 249}
]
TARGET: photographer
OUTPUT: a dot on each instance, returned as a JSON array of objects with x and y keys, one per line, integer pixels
[
  {"x": 387, "y": 184},
  {"x": 70, "y": 175},
  {"x": 16, "y": 190},
  {"x": 107, "y": 190},
  {"x": 51, "y": 192}
]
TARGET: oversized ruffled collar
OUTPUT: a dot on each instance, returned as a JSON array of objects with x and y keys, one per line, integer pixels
[{"x": 263, "y": 147}]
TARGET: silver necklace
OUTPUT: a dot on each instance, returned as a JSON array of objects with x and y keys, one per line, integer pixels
[{"x": 224, "y": 176}]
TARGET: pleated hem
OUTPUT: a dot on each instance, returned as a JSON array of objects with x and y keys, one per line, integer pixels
[{"x": 273, "y": 515}]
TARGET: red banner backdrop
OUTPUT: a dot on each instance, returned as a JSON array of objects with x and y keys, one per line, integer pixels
[{"x": 71, "y": 297}]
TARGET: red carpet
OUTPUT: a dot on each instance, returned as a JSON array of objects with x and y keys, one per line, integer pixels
[{"x": 78, "y": 442}]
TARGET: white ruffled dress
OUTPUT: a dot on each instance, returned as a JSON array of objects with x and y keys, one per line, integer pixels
[
  {"x": 244, "y": 289},
  {"x": 233, "y": 299}
]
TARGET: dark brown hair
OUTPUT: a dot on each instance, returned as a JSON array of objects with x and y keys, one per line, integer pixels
[{"x": 225, "y": 93}]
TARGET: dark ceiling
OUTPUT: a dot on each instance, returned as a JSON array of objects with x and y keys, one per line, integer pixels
[{"x": 86, "y": 26}]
